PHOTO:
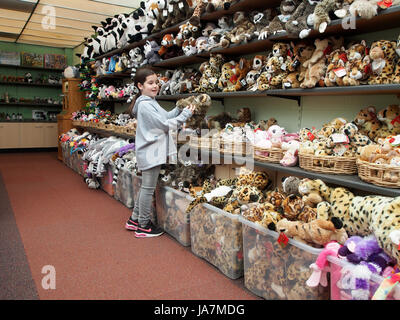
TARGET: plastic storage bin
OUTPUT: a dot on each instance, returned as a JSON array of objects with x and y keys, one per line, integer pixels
[
  {"x": 275, "y": 272},
  {"x": 107, "y": 179},
  {"x": 341, "y": 283},
  {"x": 124, "y": 188},
  {"x": 67, "y": 158},
  {"x": 171, "y": 216},
  {"x": 216, "y": 236},
  {"x": 137, "y": 182}
]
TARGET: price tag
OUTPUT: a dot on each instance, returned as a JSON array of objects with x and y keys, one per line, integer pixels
[
  {"x": 340, "y": 72},
  {"x": 189, "y": 85},
  {"x": 243, "y": 82},
  {"x": 180, "y": 5},
  {"x": 339, "y": 138},
  {"x": 385, "y": 4},
  {"x": 283, "y": 239},
  {"x": 310, "y": 136},
  {"x": 170, "y": 8},
  {"x": 165, "y": 13},
  {"x": 213, "y": 80}
]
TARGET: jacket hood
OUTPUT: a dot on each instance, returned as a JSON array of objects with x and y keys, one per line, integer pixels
[{"x": 140, "y": 99}]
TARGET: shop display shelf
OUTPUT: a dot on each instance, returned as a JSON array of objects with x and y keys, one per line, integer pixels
[
  {"x": 216, "y": 236},
  {"x": 16, "y": 83},
  {"x": 171, "y": 215},
  {"x": 349, "y": 181},
  {"x": 277, "y": 272}
]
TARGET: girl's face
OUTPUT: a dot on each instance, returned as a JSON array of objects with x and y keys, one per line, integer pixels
[{"x": 150, "y": 87}]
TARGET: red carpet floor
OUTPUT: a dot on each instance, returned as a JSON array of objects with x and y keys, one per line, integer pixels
[{"x": 79, "y": 231}]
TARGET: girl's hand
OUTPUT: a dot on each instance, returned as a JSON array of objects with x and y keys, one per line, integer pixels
[{"x": 191, "y": 108}]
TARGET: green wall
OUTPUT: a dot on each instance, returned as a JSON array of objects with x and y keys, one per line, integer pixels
[{"x": 27, "y": 91}]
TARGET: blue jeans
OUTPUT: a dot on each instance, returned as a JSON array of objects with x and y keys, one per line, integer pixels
[{"x": 144, "y": 201}]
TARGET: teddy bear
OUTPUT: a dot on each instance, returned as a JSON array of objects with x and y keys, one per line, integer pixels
[
  {"x": 202, "y": 103},
  {"x": 301, "y": 20},
  {"x": 316, "y": 65},
  {"x": 277, "y": 24},
  {"x": 242, "y": 32},
  {"x": 383, "y": 55},
  {"x": 317, "y": 231}
]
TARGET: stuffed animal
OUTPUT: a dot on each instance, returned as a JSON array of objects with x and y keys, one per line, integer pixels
[
  {"x": 301, "y": 52},
  {"x": 151, "y": 49},
  {"x": 228, "y": 77},
  {"x": 160, "y": 12},
  {"x": 323, "y": 11},
  {"x": 335, "y": 71},
  {"x": 261, "y": 19},
  {"x": 189, "y": 46},
  {"x": 382, "y": 54},
  {"x": 316, "y": 231},
  {"x": 242, "y": 68},
  {"x": 390, "y": 119},
  {"x": 277, "y": 25},
  {"x": 365, "y": 9},
  {"x": 225, "y": 25},
  {"x": 367, "y": 122},
  {"x": 210, "y": 73},
  {"x": 301, "y": 20},
  {"x": 316, "y": 65},
  {"x": 242, "y": 32},
  {"x": 290, "y": 156},
  {"x": 202, "y": 103},
  {"x": 351, "y": 210}
]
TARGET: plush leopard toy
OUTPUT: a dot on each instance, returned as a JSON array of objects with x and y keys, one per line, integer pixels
[
  {"x": 396, "y": 76},
  {"x": 363, "y": 215},
  {"x": 383, "y": 55}
]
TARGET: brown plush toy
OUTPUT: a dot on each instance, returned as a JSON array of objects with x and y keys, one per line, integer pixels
[
  {"x": 316, "y": 65},
  {"x": 367, "y": 122},
  {"x": 317, "y": 231},
  {"x": 202, "y": 103}
]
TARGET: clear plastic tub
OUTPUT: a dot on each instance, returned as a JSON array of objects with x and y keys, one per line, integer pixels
[
  {"x": 341, "y": 291},
  {"x": 275, "y": 272},
  {"x": 123, "y": 190},
  {"x": 107, "y": 179},
  {"x": 137, "y": 182},
  {"x": 216, "y": 236},
  {"x": 171, "y": 216},
  {"x": 67, "y": 158}
]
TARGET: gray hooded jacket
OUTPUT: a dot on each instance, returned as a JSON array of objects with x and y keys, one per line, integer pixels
[{"x": 153, "y": 141}]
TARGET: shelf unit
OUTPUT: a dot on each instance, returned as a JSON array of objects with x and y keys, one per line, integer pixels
[
  {"x": 30, "y": 68},
  {"x": 48, "y": 85},
  {"x": 29, "y": 104},
  {"x": 386, "y": 19}
]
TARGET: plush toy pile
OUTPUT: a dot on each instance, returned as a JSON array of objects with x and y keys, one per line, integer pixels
[{"x": 338, "y": 138}]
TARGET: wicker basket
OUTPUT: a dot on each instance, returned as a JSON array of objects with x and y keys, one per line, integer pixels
[
  {"x": 76, "y": 123},
  {"x": 236, "y": 148},
  {"x": 328, "y": 164},
  {"x": 379, "y": 174},
  {"x": 268, "y": 155},
  {"x": 201, "y": 142}
]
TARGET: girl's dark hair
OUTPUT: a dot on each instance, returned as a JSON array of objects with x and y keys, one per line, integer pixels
[{"x": 140, "y": 77}]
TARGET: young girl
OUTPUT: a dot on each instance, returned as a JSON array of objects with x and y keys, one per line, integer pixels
[{"x": 153, "y": 146}]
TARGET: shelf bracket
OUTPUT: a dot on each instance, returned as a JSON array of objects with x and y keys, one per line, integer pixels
[{"x": 296, "y": 98}]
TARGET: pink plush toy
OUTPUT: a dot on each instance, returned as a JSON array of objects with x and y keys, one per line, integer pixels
[
  {"x": 290, "y": 157},
  {"x": 276, "y": 134}
]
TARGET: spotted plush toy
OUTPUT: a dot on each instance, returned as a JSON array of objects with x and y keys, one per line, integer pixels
[{"x": 382, "y": 54}]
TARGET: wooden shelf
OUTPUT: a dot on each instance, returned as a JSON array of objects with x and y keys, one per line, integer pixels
[
  {"x": 27, "y": 67},
  {"x": 180, "y": 61},
  {"x": 47, "y": 85},
  {"x": 30, "y": 104},
  {"x": 349, "y": 181}
]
